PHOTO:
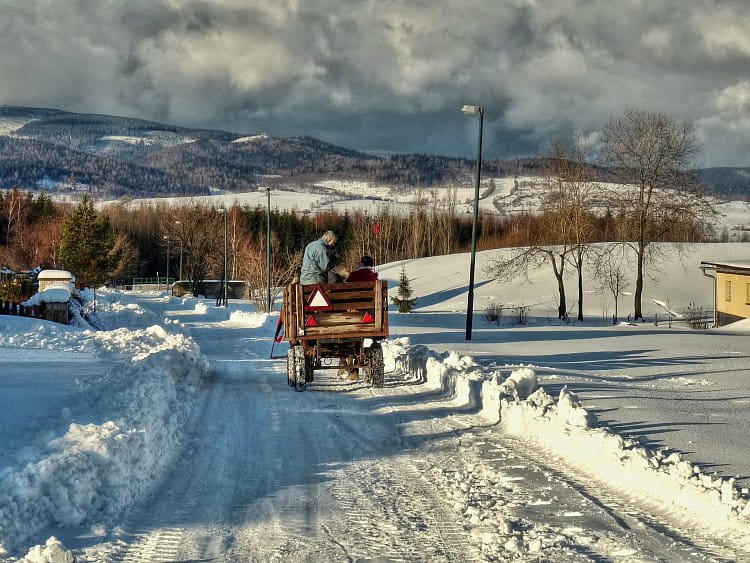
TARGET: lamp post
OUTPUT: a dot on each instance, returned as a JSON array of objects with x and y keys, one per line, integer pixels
[
  {"x": 268, "y": 251},
  {"x": 223, "y": 295},
  {"x": 474, "y": 110},
  {"x": 166, "y": 238},
  {"x": 179, "y": 225}
]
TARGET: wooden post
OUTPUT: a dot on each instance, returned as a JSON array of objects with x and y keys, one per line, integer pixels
[{"x": 378, "y": 305}]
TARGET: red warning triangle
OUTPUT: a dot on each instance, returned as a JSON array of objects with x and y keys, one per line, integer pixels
[
  {"x": 368, "y": 318},
  {"x": 310, "y": 321},
  {"x": 318, "y": 300}
]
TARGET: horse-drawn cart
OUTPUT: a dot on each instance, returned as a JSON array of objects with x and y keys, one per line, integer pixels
[{"x": 328, "y": 322}]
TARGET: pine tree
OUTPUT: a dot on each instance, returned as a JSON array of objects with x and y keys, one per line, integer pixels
[
  {"x": 85, "y": 245},
  {"x": 404, "y": 301}
]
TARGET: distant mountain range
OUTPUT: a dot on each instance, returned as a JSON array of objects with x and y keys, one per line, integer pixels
[{"x": 119, "y": 156}]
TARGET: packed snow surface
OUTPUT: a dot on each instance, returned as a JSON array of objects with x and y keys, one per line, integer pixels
[{"x": 168, "y": 434}]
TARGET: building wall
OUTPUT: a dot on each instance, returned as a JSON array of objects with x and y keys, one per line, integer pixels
[
  {"x": 52, "y": 282},
  {"x": 732, "y": 297}
]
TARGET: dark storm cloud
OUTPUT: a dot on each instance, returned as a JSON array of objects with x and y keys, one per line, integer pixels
[{"x": 389, "y": 75}]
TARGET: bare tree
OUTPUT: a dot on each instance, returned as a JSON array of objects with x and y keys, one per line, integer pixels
[
  {"x": 14, "y": 210},
  {"x": 658, "y": 199},
  {"x": 574, "y": 193},
  {"x": 251, "y": 258},
  {"x": 546, "y": 242},
  {"x": 203, "y": 244},
  {"x": 560, "y": 235},
  {"x": 609, "y": 270}
]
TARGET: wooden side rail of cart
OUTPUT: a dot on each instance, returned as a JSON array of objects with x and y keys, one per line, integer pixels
[{"x": 335, "y": 310}]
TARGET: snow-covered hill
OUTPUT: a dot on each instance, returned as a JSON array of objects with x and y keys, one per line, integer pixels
[{"x": 498, "y": 196}]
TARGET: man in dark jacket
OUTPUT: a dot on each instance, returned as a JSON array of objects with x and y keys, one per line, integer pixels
[{"x": 364, "y": 271}]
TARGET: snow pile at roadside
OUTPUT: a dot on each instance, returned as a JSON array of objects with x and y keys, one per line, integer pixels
[
  {"x": 246, "y": 319},
  {"x": 113, "y": 310},
  {"x": 738, "y": 327},
  {"x": 98, "y": 468},
  {"x": 51, "y": 295},
  {"x": 663, "y": 481},
  {"x": 53, "y": 551}
]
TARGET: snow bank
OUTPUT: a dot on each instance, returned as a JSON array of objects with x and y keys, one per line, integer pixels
[
  {"x": 51, "y": 552},
  {"x": 246, "y": 319},
  {"x": 657, "y": 479},
  {"x": 92, "y": 472},
  {"x": 739, "y": 327},
  {"x": 51, "y": 295}
]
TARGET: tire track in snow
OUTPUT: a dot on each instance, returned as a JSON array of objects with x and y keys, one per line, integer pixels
[{"x": 653, "y": 533}]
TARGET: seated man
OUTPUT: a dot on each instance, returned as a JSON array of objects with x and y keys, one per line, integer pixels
[{"x": 364, "y": 271}]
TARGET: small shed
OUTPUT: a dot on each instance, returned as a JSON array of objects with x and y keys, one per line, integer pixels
[
  {"x": 55, "y": 278},
  {"x": 731, "y": 290}
]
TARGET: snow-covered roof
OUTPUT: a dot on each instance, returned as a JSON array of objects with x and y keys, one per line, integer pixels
[
  {"x": 54, "y": 275},
  {"x": 733, "y": 264}
]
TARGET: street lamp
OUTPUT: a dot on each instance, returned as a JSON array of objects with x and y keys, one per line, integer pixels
[
  {"x": 223, "y": 295},
  {"x": 179, "y": 224},
  {"x": 166, "y": 238},
  {"x": 268, "y": 252},
  {"x": 474, "y": 110}
]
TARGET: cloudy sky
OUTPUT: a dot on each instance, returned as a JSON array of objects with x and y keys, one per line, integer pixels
[{"x": 390, "y": 75}]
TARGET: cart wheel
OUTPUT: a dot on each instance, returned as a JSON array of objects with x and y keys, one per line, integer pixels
[
  {"x": 377, "y": 364},
  {"x": 300, "y": 375},
  {"x": 309, "y": 368},
  {"x": 295, "y": 368},
  {"x": 291, "y": 373}
]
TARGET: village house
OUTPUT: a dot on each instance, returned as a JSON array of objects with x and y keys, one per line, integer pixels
[{"x": 731, "y": 290}]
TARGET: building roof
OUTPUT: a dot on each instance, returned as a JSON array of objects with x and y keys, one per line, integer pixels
[
  {"x": 54, "y": 275},
  {"x": 728, "y": 265}
]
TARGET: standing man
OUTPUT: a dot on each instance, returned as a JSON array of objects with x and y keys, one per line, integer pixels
[{"x": 318, "y": 259}]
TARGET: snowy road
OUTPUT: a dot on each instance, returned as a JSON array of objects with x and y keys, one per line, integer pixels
[{"x": 345, "y": 473}]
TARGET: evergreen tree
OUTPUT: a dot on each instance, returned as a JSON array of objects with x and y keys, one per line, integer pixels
[
  {"x": 86, "y": 243},
  {"x": 404, "y": 301},
  {"x": 42, "y": 207}
]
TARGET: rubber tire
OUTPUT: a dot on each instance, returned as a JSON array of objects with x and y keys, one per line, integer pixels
[
  {"x": 377, "y": 364},
  {"x": 291, "y": 373},
  {"x": 309, "y": 368},
  {"x": 300, "y": 375},
  {"x": 295, "y": 368}
]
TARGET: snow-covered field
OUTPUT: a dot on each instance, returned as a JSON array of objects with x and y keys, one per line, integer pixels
[
  {"x": 499, "y": 196},
  {"x": 169, "y": 435}
]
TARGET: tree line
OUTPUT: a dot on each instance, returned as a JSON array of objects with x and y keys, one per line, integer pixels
[{"x": 654, "y": 200}]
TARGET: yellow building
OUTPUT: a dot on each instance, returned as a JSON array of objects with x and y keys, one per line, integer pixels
[{"x": 731, "y": 290}]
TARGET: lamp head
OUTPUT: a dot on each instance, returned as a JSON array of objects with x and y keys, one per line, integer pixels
[{"x": 471, "y": 110}]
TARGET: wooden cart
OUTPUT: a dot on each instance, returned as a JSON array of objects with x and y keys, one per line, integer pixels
[{"x": 326, "y": 326}]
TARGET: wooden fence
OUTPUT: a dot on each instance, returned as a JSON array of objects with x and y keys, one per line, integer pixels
[{"x": 56, "y": 312}]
